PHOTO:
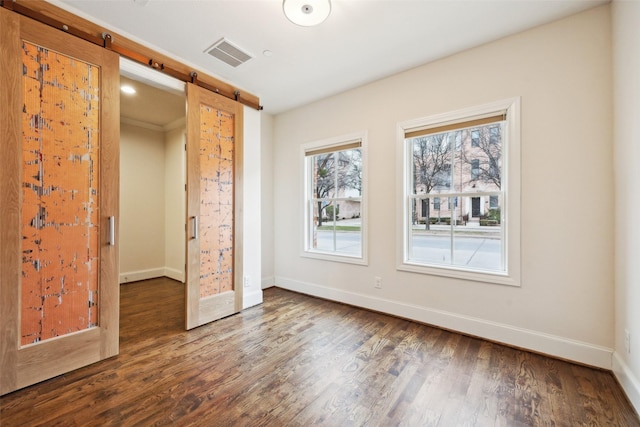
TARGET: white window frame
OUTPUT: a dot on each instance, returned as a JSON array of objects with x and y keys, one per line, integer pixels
[
  {"x": 510, "y": 184},
  {"x": 307, "y": 250}
]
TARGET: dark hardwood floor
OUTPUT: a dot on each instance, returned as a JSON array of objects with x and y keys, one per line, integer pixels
[{"x": 298, "y": 361}]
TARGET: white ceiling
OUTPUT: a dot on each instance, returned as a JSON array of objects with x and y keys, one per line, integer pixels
[{"x": 361, "y": 41}]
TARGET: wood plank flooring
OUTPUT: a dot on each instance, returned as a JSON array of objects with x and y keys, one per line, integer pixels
[{"x": 299, "y": 361}]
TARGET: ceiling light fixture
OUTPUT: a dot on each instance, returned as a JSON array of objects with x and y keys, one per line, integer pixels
[
  {"x": 306, "y": 13},
  {"x": 129, "y": 90}
]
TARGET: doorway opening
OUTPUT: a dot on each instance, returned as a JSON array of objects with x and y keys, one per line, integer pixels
[{"x": 152, "y": 177}]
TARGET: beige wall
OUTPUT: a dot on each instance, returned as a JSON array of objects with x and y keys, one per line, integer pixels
[
  {"x": 562, "y": 72},
  {"x": 626, "y": 54},
  {"x": 142, "y": 208},
  {"x": 152, "y": 201}
]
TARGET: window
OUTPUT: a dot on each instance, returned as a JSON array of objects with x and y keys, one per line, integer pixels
[
  {"x": 334, "y": 199},
  {"x": 493, "y": 202},
  {"x": 475, "y": 169},
  {"x": 475, "y": 138},
  {"x": 469, "y": 236},
  {"x": 494, "y": 134}
]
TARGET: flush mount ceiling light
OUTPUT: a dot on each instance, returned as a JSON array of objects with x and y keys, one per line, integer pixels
[
  {"x": 129, "y": 90},
  {"x": 306, "y": 13}
]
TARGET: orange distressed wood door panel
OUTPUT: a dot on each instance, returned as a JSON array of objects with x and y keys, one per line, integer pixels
[
  {"x": 60, "y": 194},
  {"x": 214, "y": 147},
  {"x": 59, "y": 277}
]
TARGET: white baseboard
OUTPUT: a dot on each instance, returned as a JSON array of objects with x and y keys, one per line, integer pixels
[
  {"x": 134, "y": 276},
  {"x": 267, "y": 282},
  {"x": 174, "y": 274},
  {"x": 540, "y": 342},
  {"x": 249, "y": 299},
  {"x": 630, "y": 384},
  {"x": 151, "y": 273}
]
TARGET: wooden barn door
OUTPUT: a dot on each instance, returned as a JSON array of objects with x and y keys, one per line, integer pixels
[
  {"x": 214, "y": 153},
  {"x": 59, "y": 132}
]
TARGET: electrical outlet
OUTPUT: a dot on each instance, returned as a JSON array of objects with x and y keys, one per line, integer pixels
[
  {"x": 627, "y": 341},
  {"x": 377, "y": 282},
  {"x": 246, "y": 282}
]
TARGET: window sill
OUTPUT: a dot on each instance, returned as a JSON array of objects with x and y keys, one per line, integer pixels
[
  {"x": 457, "y": 273},
  {"x": 327, "y": 256}
]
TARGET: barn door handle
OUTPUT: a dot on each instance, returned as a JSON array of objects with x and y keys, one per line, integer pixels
[
  {"x": 112, "y": 230},
  {"x": 195, "y": 228}
]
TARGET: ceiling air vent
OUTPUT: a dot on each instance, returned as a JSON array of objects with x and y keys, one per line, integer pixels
[{"x": 228, "y": 53}]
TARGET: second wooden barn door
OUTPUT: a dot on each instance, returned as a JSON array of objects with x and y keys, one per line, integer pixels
[{"x": 214, "y": 153}]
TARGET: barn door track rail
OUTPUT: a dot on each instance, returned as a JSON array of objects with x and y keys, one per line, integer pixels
[{"x": 106, "y": 40}]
